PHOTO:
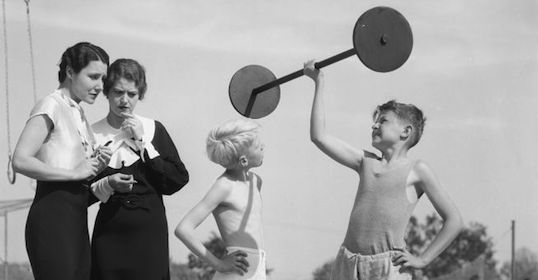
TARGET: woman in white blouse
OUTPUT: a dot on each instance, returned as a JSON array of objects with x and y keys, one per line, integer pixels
[{"x": 57, "y": 149}]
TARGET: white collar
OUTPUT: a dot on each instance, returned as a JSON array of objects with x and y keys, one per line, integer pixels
[{"x": 122, "y": 145}]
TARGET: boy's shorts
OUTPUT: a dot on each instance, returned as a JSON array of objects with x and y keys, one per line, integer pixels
[
  {"x": 351, "y": 266},
  {"x": 256, "y": 265}
]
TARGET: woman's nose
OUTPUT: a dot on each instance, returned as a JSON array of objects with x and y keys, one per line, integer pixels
[
  {"x": 99, "y": 86},
  {"x": 375, "y": 126}
]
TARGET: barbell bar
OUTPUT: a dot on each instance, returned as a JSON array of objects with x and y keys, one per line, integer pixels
[{"x": 382, "y": 39}]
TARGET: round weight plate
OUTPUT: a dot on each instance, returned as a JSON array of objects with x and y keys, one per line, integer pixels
[
  {"x": 245, "y": 103},
  {"x": 382, "y": 39}
]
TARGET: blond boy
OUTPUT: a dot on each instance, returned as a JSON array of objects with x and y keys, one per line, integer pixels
[{"x": 235, "y": 202}]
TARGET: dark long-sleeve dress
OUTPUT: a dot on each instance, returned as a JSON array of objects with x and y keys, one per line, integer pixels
[{"x": 130, "y": 237}]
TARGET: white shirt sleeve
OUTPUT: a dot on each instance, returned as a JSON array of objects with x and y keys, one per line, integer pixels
[{"x": 102, "y": 189}]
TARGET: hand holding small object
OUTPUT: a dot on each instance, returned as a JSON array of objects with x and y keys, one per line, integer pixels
[
  {"x": 133, "y": 126},
  {"x": 121, "y": 182}
]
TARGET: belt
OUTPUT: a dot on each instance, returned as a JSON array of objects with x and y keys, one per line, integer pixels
[{"x": 131, "y": 201}]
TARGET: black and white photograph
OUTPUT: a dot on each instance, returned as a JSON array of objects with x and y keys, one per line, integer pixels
[{"x": 268, "y": 140}]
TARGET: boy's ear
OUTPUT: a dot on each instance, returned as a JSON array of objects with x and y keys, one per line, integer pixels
[
  {"x": 407, "y": 132},
  {"x": 243, "y": 161}
]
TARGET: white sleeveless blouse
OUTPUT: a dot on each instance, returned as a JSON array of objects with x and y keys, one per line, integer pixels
[{"x": 70, "y": 141}]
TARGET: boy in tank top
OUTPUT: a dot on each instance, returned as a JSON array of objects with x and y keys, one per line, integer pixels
[{"x": 389, "y": 188}]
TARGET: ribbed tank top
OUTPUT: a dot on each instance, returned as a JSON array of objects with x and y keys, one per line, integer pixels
[{"x": 381, "y": 211}]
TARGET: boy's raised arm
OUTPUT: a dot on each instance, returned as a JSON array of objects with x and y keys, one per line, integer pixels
[
  {"x": 185, "y": 231},
  {"x": 447, "y": 210},
  {"x": 335, "y": 148}
]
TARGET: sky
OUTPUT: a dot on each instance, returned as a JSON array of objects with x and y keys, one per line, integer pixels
[{"x": 473, "y": 70}]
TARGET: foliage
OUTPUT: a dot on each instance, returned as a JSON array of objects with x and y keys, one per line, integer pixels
[
  {"x": 17, "y": 271},
  {"x": 526, "y": 265},
  {"x": 472, "y": 242},
  {"x": 181, "y": 272},
  {"x": 323, "y": 272},
  {"x": 203, "y": 270},
  {"x": 198, "y": 267}
]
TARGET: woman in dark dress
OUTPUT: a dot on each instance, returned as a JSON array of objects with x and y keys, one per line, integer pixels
[
  {"x": 56, "y": 148},
  {"x": 130, "y": 237}
]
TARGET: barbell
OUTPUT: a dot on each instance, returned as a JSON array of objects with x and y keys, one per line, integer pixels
[{"x": 382, "y": 39}]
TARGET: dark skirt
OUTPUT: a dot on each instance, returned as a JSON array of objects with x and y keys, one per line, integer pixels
[
  {"x": 57, "y": 239},
  {"x": 130, "y": 239}
]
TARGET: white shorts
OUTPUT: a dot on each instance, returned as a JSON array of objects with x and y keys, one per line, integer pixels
[
  {"x": 256, "y": 268},
  {"x": 353, "y": 266}
]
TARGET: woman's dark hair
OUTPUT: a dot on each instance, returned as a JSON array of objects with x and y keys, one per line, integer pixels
[
  {"x": 79, "y": 56},
  {"x": 128, "y": 69}
]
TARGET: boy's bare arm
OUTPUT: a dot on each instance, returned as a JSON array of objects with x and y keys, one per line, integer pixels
[
  {"x": 445, "y": 207},
  {"x": 185, "y": 231},
  {"x": 335, "y": 148}
]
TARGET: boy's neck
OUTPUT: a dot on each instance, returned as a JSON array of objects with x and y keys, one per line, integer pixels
[
  {"x": 239, "y": 174},
  {"x": 394, "y": 154}
]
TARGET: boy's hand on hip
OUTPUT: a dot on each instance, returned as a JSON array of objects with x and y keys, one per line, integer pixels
[
  {"x": 234, "y": 262},
  {"x": 408, "y": 260}
]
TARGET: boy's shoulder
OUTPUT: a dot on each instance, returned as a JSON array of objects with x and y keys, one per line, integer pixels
[
  {"x": 422, "y": 169},
  {"x": 223, "y": 182},
  {"x": 370, "y": 155},
  {"x": 222, "y": 187}
]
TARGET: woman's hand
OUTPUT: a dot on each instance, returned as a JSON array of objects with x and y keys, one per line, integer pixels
[
  {"x": 86, "y": 169},
  {"x": 121, "y": 182},
  {"x": 133, "y": 126},
  {"x": 234, "y": 262},
  {"x": 103, "y": 155}
]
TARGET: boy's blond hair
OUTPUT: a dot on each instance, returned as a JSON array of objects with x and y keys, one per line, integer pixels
[{"x": 226, "y": 143}]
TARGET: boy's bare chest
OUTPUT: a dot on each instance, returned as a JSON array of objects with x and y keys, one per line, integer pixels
[{"x": 244, "y": 199}]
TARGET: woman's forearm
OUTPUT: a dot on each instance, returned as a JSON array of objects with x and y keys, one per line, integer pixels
[{"x": 36, "y": 169}]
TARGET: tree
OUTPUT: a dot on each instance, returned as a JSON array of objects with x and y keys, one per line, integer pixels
[
  {"x": 471, "y": 243},
  {"x": 181, "y": 272},
  {"x": 17, "y": 271},
  {"x": 324, "y": 272},
  {"x": 203, "y": 270},
  {"x": 526, "y": 265}
]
